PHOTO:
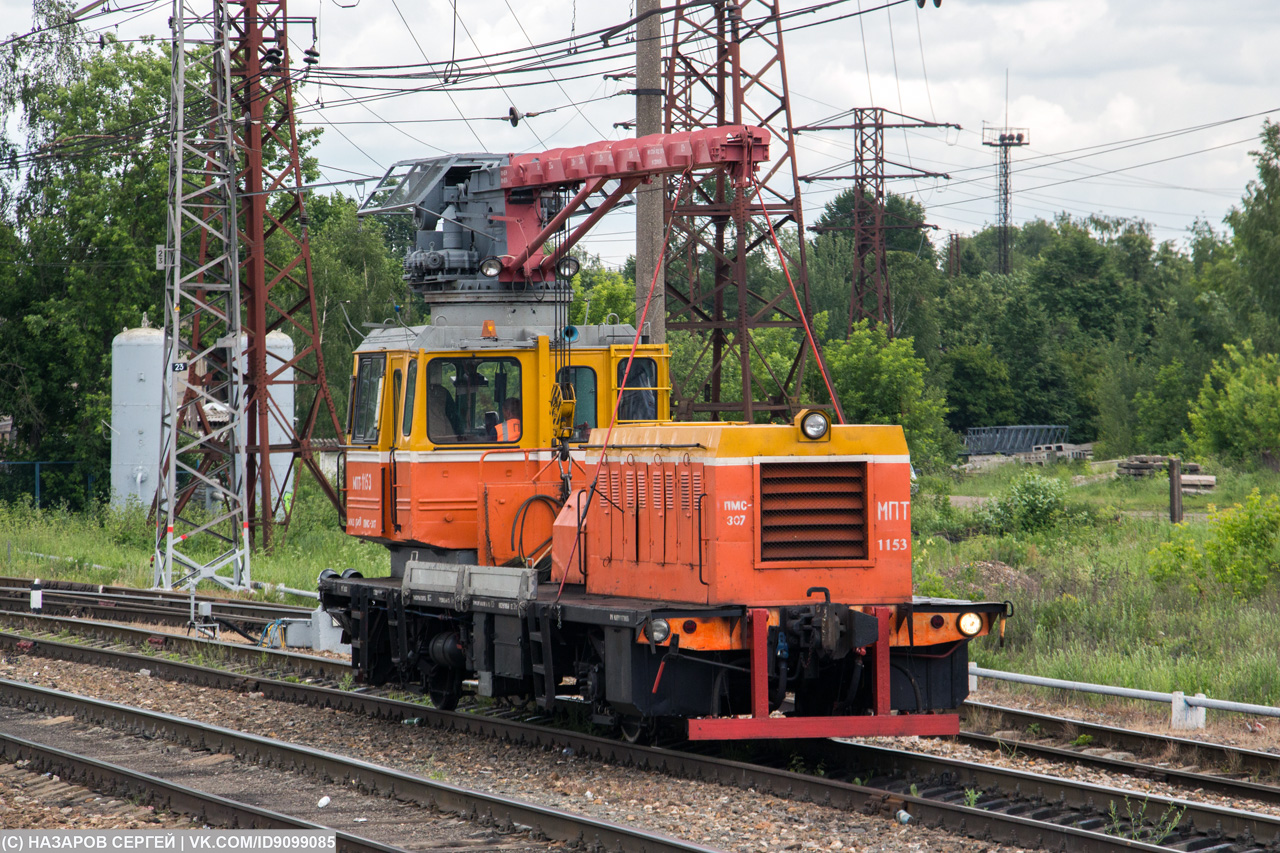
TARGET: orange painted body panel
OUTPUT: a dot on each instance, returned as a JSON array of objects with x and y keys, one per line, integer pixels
[
  {"x": 365, "y": 505},
  {"x": 645, "y": 541},
  {"x": 459, "y": 504}
]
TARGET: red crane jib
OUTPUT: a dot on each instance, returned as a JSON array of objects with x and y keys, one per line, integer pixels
[
  {"x": 631, "y": 162},
  {"x": 739, "y": 147}
]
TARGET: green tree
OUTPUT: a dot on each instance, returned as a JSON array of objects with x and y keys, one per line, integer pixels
[
  {"x": 1256, "y": 224},
  {"x": 1161, "y": 410},
  {"x": 978, "y": 388},
  {"x": 601, "y": 292},
  {"x": 357, "y": 281},
  {"x": 1075, "y": 277},
  {"x": 90, "y": 209},
  {"x": 882, "y": 381},
  {"x": 1237, "y": 414}
]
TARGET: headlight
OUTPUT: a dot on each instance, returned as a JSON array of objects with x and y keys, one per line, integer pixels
[
  {"x": 490, "y": 267},
  {"x": 567, "y": 267},
  {"x": 657, "y": 630},
  {"x": 815, "y": 425},
  {"x": 969, "y": 624}
]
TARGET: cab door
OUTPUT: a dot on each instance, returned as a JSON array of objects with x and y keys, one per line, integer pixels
[
  {"x": 366, "y": 473},
  {"x": 402, "y": 457}
]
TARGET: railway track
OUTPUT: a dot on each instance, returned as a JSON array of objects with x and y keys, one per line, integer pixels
[
  {"x": 974, "y": 800},
  {"x": 121, "y": 781},
  {"x": 252, "y": 658},
  {"x": 1168, "y": 822},
  {"x": 1033, "y": 726},
  {"x": 69, "y": 598},
  {"x": 508, "y": 814}
]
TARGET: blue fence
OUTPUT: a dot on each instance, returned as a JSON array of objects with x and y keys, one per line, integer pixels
[{"x": 47, "y": 482}]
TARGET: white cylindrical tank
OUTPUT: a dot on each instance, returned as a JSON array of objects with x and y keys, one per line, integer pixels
[
  {"x": 137, "y": 383},
  {"x": 137, "y": 388}
]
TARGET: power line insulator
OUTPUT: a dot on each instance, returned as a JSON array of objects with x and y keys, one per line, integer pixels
[
  {"x": 514, "y": 116},
  {"x": 311, "y": 56}
]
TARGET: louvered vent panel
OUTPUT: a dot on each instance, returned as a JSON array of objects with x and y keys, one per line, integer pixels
[{"x": 813, "y": 511}]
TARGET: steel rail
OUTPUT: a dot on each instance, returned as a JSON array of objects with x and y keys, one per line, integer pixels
[
  {"x": 1223, "y": 785},
  {"x": 1001, "y": 787},
  {"x": 255, "y": 656},
  {"x": 159, "y": 605},
  {"x": 952, "y": 816},
  {"x": 24, "y": 583},
  {"x": 1264, "y": 764},
  {"x": 113, "y": 779},
  {"x": 504, "y": 811}
]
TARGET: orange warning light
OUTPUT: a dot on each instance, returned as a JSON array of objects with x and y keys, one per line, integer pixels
[{"x": 488, "y": 330}]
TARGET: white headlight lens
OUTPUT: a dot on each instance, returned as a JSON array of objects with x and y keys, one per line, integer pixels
[
  {"x": 815, "y": 425},
  {"x": 969, "y": 624},
  {"x": 490, "y": 267},
  {"x": 658, "y": 630}
]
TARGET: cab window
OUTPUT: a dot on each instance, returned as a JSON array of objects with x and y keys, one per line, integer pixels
[
  {"x": 583, "y": 380},
  {"x": 368, "y": 394},
  {"x": 410, "y": 390},
  {"x": 640, "y": 397},
  {"x": 474, "y": 401}
]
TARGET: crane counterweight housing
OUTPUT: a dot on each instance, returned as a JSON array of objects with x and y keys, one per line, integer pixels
[{"x": 555, "y": 537}]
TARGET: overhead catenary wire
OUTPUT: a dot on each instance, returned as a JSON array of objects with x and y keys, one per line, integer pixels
[
  {"x": 815, "y": 11},
  {"x": 396, "y": 5}
]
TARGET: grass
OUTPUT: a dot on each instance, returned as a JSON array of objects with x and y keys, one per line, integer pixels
[
  {"x": 1130, "y": 494},
  {"x": 114, "y": 546},
  {"x": 1086, "y": 607}
]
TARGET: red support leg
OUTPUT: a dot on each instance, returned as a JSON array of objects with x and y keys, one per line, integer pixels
[
  {"x": 759, "y": 663},
  {"x": 881, "y": 658}
]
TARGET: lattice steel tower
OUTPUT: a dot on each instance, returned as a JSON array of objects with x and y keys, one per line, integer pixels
[
  {"x": 725, "y": 65},
  {"x": 203, "y": 410},
  {"x": 1005, "y": 139},
  {"x": 870, "y": 296},
  {"x": 235, "y": 190}
]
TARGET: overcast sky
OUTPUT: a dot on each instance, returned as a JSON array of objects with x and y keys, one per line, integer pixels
[{"x": 1135, "y": 109}]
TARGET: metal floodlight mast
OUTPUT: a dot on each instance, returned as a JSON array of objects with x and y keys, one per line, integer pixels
[
  {"x": 202, "y": 411},
  {"x": 725, "y": 65},
  {"x": 1005, "y": 139}
]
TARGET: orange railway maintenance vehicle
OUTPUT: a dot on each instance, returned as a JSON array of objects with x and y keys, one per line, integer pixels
[{"x": 555, "y": 537}]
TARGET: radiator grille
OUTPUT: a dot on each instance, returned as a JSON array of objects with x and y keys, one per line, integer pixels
[{"x": 813, "y": 511}]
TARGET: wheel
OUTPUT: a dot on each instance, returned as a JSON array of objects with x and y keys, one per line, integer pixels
[
  {"x": 443, "y": 686},
  {"x": 637, "y": 730}
]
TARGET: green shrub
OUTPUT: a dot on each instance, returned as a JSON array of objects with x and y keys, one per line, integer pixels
[
  {"x": 1033, "y": 503},
  {"x": 1241, "y": 550}
]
